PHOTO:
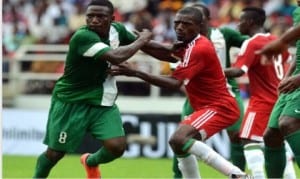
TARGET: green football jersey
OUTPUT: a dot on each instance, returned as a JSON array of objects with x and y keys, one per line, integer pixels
[
  {"x": 85, "y": 77},
  {"x": 296, "y": 20},
  {"x": 223, "y": 39}
]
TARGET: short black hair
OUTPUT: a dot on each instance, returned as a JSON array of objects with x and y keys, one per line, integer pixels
[
  {"x": 106, "y": 3},
  {"x": 258, "y": 15},
  {"x": 195, "y": 12},
  {"x": 204, "y": 7}
]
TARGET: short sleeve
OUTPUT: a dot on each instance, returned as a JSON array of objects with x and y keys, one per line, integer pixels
[{"x": 88, "y": 44}]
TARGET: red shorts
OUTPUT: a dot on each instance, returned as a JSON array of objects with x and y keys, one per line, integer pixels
[
  {"x": 211, "y": 120},
  {"x": 254, "y": 125}
]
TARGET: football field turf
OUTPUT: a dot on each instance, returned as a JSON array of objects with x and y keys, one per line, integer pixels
[{"x": 70, "y": 167}]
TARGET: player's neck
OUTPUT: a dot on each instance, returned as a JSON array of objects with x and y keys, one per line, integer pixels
[{"x": 256, "y": 31}]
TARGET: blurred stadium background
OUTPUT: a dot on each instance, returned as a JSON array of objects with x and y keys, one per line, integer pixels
[{"x": 35, "y": 34}]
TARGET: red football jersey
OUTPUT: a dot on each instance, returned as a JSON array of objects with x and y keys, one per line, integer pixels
[
  {"x": 203, "y": 77},
  {"x": 263, "y": 78}
]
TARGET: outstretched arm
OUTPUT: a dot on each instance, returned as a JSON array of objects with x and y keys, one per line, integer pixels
[
  {"x": 160, "y": 81},
  {"x": 163, "y": 52},
  {"x": 291, "y": 35},
  {"x": 275, "y": 47},
  {"x": 123, "y": 53}
]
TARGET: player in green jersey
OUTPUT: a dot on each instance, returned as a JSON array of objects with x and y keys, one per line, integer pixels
[
  {"x": 284, "y": 122},
  {"x": 223, "y": 39},
  {"x": 83, "y": 99}
]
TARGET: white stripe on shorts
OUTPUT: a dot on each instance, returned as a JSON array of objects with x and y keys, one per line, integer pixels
[
  {"x": 203, "y": 118},
  {"x": 248, "y": 125}
]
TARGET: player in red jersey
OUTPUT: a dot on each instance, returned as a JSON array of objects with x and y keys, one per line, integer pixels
[
  {"x": 263, "y": 80},
  {"x": 215, "y": 109}
]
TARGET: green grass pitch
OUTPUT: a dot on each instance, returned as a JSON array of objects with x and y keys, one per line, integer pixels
[{"x": 70, "y": 167}]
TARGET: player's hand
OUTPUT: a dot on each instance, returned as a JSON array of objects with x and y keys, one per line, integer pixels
[
  {"x": 289, "y": 84},
  {"x": 145, "y": 35},
  {"x": 271, "y": 50},
  {"x": 178, "y": 46},
  {"x": 122, "y": 69}
]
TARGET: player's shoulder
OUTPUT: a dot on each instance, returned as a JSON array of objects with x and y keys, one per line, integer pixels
[
  {"x": 203, "y": 44},
  {"x": 256, "y": 41},
  {"x": 202, "y": 40},
  {"x": 83, "y": 36},
  {"x": 118, "y": 26},
  {"x": 261, "y": 38},
  {"x": 227, "y": 30},
  {"x": 84, "y": 33}
]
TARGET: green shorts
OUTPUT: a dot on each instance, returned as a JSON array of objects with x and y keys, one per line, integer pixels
[
  {"x": 187, "y": 110},
  {"x": 286, "y": 105},
  {"x": 237, "y": 125},
  {"x": 69, "y": 122}
]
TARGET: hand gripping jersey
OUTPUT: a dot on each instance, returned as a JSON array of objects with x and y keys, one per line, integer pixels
[{"x": 85, "y": 78}]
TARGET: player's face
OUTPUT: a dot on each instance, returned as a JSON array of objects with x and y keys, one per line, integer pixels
[
  {"x": 243, "y": 25},
  {"x": 185, "y": 27},
  {"x": 98, "y": 19}
]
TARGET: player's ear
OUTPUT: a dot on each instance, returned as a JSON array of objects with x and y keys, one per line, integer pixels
[{"x": 113, "y": 18}]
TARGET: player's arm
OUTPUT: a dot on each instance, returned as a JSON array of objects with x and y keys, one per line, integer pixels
[
  {"x": 163, "y": 52},
  {"x": 244, "y": 61},
  {"x": 160, "y": 51},
  {"x": 277, "y": 46},
  {"x": 161, "y": 81},
  {"x": 291, "y": 35},
  {"x": 120, "y": 54},
  {"x": 233, "y": 72},
  {"x": 290, "y": 83}
]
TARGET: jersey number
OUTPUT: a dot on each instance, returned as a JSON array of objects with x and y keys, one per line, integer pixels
[
  {"x": 278, "y": 67},
  {"x": 62, "y": 137}
]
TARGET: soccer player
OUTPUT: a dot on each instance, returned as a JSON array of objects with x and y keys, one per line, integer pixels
[
  {"x": 215, "y": 108},
  {"x": 263, "y": 81},
  {"x": 83, "y": 99},
  {"x": 284, "y": 122},
  {"x": 223, "y": 39}
]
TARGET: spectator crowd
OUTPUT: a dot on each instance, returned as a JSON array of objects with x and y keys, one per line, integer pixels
[{"x": 54, "y": 21}]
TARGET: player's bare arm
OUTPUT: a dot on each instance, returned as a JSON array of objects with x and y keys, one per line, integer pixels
[
  {"x": 281, "y": 44},
  {"x": 119, "y": 55},
  {"x": 161, "y": 81},
  {"x": 289, "y": 84},
  {"x": 233, "y": 72},
  {"x": 163, "y": 52}
]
